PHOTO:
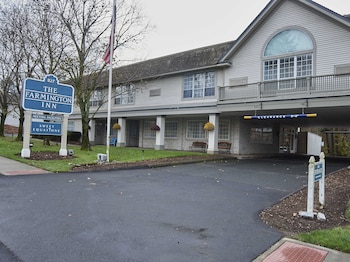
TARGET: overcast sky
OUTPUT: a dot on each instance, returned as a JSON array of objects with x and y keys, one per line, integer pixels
[{"x": 187, "y": 24}]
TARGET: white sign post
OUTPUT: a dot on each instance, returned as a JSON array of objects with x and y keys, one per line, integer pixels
[{"x": 316, "y": 173}]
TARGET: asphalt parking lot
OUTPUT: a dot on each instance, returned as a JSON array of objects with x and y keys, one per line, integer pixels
[{"x": 195, "y": 212}]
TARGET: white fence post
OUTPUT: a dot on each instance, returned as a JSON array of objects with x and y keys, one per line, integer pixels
[
  {"x": 321, "y": 193},
  {"x": 316, "y": 172},
  {"x": 310, "y": 185}
]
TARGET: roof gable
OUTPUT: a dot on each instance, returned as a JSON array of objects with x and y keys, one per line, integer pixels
[{"x": 270, "y": 8}]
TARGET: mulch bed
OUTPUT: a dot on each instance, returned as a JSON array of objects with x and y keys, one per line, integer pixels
[
  {"x": 116, "y": 165},
  {"x": 284, "y": 216}
]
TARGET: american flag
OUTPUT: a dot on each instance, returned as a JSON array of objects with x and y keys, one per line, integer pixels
[{"x": 109, "y": 52}]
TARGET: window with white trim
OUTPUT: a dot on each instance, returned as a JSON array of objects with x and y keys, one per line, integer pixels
[
  {"x": 147, "y": 131},
  {"x": 170, "y": 129},
  {"x": 124, "y": 95},
  {"x": 96, "y": 98},
  {"x": 199, "y": 85},
  {"x": 288, "y": 68},
  {"x": 70, "y": 125},
  {"x": 224, "y": 130},
  {"x": 195, "y": 129},
  {"x": 284, "y": 66}
]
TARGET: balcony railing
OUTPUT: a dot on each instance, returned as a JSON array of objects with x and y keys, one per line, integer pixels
[{"x": 299, "y": 87}]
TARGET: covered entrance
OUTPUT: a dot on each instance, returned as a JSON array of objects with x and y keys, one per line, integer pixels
[
  {"x": 288, "y": 140},
  {"x": 100, "y": 132},
  {"x": 132, "y": 133}
]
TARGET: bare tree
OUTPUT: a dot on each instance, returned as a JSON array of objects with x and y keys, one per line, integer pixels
[
  {"x": 47, "y": 39},
  {"x": 86, "y": 22},
  {"x": 13, "y": 21},
  {"x": 34, "y": 41},
  {"x": 5, "y": 98},
  {"x": 66, "y": 38}
]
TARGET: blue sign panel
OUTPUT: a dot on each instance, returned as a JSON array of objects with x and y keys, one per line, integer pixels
[
  {"x": 318, "y": 172},
  {"x": 47, "y": 96},
  {"x": 46, "y": 128}
]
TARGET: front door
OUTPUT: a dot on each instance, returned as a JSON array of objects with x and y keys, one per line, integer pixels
[
  {"x": 100, "y": 132},
  {"x": 287, "y": 143},
  {"x": 132, "y": 131}
]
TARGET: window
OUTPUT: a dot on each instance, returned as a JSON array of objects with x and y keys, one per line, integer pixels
[
  {"x": 195, "y": 129},
  {"x": 262, "y": 135},
  {"x": 70, "y": 125},
  {"x": 96, "y": 98},
  {"x": 288, "y": 67},
  {"x": 147, "y": 131},
  {"x": 199, "y": 85},
  {"x": 224, "y": 130},
  {"x": 288, "y": 41},
  {"x": 124, "y": 95},
  {"x": 171, "y": 129},
  {"x": 285, "y": 69}
]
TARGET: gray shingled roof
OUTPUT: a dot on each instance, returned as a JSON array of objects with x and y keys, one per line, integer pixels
[{"x": 191, "y": 60}]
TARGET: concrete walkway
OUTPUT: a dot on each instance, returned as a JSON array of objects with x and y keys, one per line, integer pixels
[
  {"x": 10, "y": 167},
  {"x": 291, "y": 250}
]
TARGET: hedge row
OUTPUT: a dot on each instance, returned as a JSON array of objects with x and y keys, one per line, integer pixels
[{"x": 72, "y": 136}]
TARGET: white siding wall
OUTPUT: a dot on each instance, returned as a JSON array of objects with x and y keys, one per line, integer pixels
[
  {"x": 235, "y": 134},
  {"x": 171, "y": 95},
  {"x": 12, "y": 118},
  {"x": 332, "y": 42},
  {"x": 248, "y": 148}
]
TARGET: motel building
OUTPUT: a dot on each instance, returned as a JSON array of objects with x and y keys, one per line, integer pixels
[{"x": 289, "y": 70}]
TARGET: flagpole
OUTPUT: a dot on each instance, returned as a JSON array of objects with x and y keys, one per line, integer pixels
[{"x": 110, "y": 80}]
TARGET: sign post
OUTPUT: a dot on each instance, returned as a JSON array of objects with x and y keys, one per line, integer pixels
[
  {"x": 316, "y": 174},
  {"x": 26, "y": 134},
  {"x": 47, "y": 96}
]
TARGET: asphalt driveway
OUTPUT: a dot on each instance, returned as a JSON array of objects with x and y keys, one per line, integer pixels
[{"x": 196, "y": 212}]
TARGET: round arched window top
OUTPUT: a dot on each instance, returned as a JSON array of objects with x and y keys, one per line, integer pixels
[{"x": 288, "y": 41}]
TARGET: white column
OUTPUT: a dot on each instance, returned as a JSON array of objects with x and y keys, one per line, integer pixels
[
  {"x": 160, "y": 135},
  {"x": 25, "y": 153},
  {"x": 64, "y": 131},
  {"x": 213, "y": 135},
  {"x": 92, "y": 129},
  {"x": 122, "y": 132}
]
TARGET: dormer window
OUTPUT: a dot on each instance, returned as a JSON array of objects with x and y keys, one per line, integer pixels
[{"x": 287, "y": 57}]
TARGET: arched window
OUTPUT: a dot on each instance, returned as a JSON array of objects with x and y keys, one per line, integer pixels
[
  {"x": 288, "y": 55},
  {"x": 288, "y": 41}
]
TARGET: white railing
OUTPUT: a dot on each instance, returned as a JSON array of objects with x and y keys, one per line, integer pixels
[{"x": 311, "y": 86}]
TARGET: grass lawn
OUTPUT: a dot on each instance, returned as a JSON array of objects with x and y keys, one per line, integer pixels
[
  {"x": 337, "y": 238},
  {"x": 11, "y": 149}
]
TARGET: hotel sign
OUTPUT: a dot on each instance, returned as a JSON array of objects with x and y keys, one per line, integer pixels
[{"x": 47, "y": 96}]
